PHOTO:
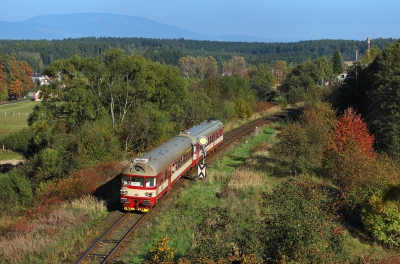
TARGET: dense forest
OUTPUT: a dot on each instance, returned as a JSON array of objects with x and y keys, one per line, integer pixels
[
  {"x": 40, "y": 53},
  {"x": 335, "y": 166}
]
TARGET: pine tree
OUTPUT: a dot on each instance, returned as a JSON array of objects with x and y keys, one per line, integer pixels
[{"x": 337, "y": 63}]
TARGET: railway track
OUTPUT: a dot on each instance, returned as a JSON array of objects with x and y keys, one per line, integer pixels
[
  {"x": 121, "y": 225},
  {"x": 105, "y": 247}
]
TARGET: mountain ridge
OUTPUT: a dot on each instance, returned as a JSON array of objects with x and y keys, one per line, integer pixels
[{"x": 64, "y": 26}]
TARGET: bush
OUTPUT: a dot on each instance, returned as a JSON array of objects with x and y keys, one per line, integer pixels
[
  {"x": 382, "y": 220},
  {"x": 298, "y": 226},
  {"x": 18, "y": 142},
  {"x": 15, "y": 193}
]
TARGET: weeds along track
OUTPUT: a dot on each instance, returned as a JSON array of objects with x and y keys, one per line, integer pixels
[
  {"x": 104, "y": 249},
  {"x": 120, "y": 226}
]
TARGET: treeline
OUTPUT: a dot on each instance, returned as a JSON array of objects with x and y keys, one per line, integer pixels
[
  {"x": 15, "y": 77},
  {"x": 40, "y": 53}
]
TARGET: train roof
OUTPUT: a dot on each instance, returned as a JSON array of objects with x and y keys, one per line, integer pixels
[
  {"x": 205, "y": 128},
  {"x": 157, "y": 159}
]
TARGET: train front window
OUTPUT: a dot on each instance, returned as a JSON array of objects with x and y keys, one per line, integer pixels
[
  {"x": 137, "y": 181},
  {"x": 150, "y": 182},
  {"x": 125, "y": 180}
]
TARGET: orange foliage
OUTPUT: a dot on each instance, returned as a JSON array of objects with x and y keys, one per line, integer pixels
[
  {"x": 15, "y": 87},
  {"x": 3, "y": 80},
  {"x": 349, "y": 156},
  {"x": 351, "y": 131},
  {"x": 26, "y": 74}
]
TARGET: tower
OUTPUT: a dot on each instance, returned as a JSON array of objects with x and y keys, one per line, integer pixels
[{"x": 368, "y": 44}]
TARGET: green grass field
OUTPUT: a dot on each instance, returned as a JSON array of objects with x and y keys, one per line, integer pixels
[{"x": 13, "y": 117}]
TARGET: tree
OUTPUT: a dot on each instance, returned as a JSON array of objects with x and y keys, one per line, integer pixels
[
  {"x": 15, "y": 88},
  {"x": 370, "y": 55},
  {"x": 280, "y": 71},
  {"x": 3, "y": 85},
  {"x": 260, "y": 80},
  {"x": 325, "y": 70},
  {"x": 188, "y": 66},
  {"x": 304, "y": 81},
  {"x": 236, "y": 65},
  {"x": 350, "y": 144},
  {"x": 206, "y": 67},
  {"x": 337, "y": 63},
  {"x": 383, "y": 99},
  {"x": 301, "y": 144}
]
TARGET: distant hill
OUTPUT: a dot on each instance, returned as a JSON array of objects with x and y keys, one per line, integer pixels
[{"x": 64, "y": 26}]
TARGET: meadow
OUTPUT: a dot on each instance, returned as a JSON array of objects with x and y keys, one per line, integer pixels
[{"x": 13, "y": 118}]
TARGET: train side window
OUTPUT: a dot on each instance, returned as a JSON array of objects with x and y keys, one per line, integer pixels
[{"x": 163, "y": 177}]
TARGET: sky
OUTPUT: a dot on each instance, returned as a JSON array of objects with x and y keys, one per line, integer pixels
[{"x": 273, "y": 19}]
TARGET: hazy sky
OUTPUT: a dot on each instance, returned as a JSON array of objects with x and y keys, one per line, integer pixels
[{"x": 286, "y": 19}]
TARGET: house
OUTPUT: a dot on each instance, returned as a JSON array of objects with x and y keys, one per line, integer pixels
[
  {"x": 43, "y": 79},
  {"x": 341, "y": 77}
]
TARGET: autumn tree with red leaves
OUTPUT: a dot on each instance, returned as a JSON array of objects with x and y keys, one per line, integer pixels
[
  {"x": 352, "y": 162},
  {"x": 349, "y": 146}
]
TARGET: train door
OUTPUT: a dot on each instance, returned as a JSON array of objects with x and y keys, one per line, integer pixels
[
  {"x": 169, "y": 177},
  {"x": 196, "y": 153}
]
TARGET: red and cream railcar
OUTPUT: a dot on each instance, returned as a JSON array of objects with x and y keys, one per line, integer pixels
[{"x": 150, "y": 176}]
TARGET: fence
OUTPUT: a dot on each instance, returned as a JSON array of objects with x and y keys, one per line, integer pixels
[{"x": 15, "y": 114}]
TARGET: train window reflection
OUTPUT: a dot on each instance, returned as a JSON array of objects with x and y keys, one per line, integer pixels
[
  {"x": 137, "y": 181},
  {"x": 150, "y": 182}
]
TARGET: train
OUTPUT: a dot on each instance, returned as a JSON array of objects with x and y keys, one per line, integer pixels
[{"x": 147, "y": 178}]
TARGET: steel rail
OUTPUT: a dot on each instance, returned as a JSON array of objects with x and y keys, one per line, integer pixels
[
  {"x": 122, "y": 240},
  {"x": 101, "y": 238}
]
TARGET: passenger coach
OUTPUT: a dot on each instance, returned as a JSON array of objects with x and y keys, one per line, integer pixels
[{"x": 150, "y": 176}]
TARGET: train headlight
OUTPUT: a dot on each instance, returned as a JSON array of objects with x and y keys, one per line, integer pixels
[
  {"x": 149, "y": 194},
  {"x": 123, "y": 192}
]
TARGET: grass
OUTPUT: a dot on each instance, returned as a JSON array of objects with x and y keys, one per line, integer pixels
[
  {"x": 51, "y": 238},
  {"x": 13, "y": 117},
  {"x": 9, "y": 155}
]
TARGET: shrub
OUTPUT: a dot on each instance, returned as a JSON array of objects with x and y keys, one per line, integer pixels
[
  {"x": 161, "y": 253},
  {"x": 298, "y": 226},
  {"x": 18, "y": 142},
  {"x": 15, "y": 193},
  {"x": 382, "y": 220}
]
